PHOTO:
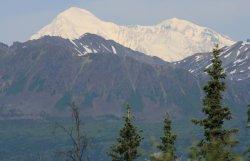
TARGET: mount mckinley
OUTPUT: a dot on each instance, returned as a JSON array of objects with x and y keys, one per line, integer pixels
[{"x": 170, "y": 40}]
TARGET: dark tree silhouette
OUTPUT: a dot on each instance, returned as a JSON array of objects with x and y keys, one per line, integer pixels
[
  {"x": 79, "y": 141},
  {"x": 217, "y": 142},
  {"x": 248, "y": 126},
  {"x": 126, "y": 148},
  {"x": 167, "y": 141}
]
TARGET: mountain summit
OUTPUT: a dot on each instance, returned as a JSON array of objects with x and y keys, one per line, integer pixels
[
  {"x": 73, "y": 23},
  {"x": 171, "y": 40}
]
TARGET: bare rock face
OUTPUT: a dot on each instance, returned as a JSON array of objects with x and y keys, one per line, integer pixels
[
  {"x": 39, "y": 78},
  {"x": 236, "y": 63}
]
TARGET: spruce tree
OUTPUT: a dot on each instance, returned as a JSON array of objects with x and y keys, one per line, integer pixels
[
  {"x": 248, "y": 126},
  {"x": 248, "y": 116},
  {"x": 128, "y": 142},
  {"x": 217, "y": 141},
  {"x": 167, "y": 146}
]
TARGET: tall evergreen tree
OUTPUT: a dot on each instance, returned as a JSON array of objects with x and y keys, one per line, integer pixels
[
  {"x": 128, "y": 142},
  {"x": 167, "y": 141},
  {"x": 248, "y": 126},
  {"x": 217, "y": 142},
  {"x": 248, "y": 116}
]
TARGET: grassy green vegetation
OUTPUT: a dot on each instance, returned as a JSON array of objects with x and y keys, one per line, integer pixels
[
  {"x": 135, "y": 100},
  {"x": 63, "y": 102},
  {"x": 17, "y": 86},
  {"x": 37, "y": 84},
  {"x": 88, "y": 99},
  {"x": 31, "y": 140}
]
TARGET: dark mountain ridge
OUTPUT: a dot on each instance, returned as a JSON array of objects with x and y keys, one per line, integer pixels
[
  {"x": 39, "y": 78},
  {"x": 236, "y": 63}
]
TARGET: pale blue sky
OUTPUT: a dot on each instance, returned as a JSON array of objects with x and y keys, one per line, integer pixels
[{"x": 21, "y": 18}]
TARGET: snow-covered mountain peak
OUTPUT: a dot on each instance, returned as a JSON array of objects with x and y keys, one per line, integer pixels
[
  {"x": 176, "y": 22},
  {"x": 76, "y": 17},
  {"x": 182, "y": 26},
  {"x": 171, "y": 40},
  {"x": 75, "y": 11},
  {"x": 73, "y": 23}
]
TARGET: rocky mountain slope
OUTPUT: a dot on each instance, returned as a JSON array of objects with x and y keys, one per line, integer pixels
[
  {"x": 236, "y": 62},
  {"x": 170, "y": 40},
  {"x": 39, "y": 78},
  {"x": 235, "y": 58}
]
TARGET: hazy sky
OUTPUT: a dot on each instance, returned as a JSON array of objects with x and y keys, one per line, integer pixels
[{"x": 22, "y": 18}]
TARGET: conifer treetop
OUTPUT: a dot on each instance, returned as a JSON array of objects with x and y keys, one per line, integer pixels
[
  {"x": 128, "y": 142},
  {"x": 217, "y": 142}
]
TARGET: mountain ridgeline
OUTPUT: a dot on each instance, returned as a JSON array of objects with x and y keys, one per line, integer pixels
[
  {"x": 171, "y": 40},
  {"x": 38, "y": 79},
  {"x": 236, "y": 64},
  {"x": 81, "y": 61}
]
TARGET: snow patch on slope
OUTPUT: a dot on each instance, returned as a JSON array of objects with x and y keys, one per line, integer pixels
[{"x": 114, "y": 50}]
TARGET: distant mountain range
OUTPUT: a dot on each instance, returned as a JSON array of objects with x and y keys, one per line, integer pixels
[
  {"x": 101, "y": 67},
  {"x": 235, "y": 58},
  {"x": 170, "y": 40},
  {"x": 39, "y": 78},
  {"x": 64, "y": 62},
  {"x": 236, "y": 64}
]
